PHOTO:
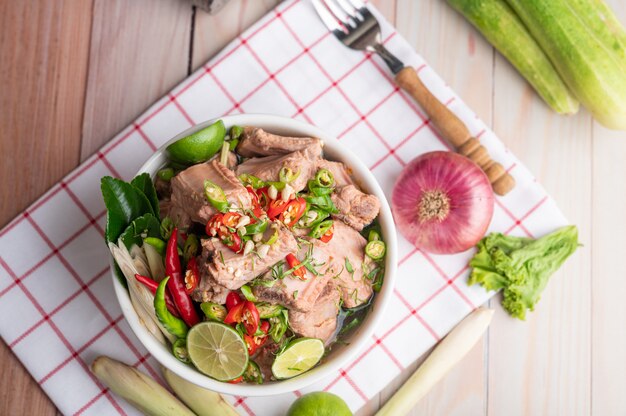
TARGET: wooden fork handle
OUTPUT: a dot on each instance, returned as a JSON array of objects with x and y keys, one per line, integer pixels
[{"x": 454, "y": 131}]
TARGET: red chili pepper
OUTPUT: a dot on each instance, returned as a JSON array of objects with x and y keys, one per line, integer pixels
[
  {"x": 214, "y": 225},
  {"x": 192, "y": 276},
  {"x": 276, "y": 208},
  {"x": 234, "y": 314},
  {"x": 257, "y": 209},
  {"x": 293, "y": 212},
  {"x": 293, "y": 263},
  {"x": 231, "y": 219},
  {"x": 328, "y": 235},
  {"x": 176, "y": 284},
  {"x": 254, "y": 343},
  {"x": 263, "y": 197},
  {"x": 230, "y": 240},
  {"x": 236, "y": 380},
  {"x": 152, "y": 286},
  {"x": 233, "y": 299},
  {"x": 250, "y": 318}
]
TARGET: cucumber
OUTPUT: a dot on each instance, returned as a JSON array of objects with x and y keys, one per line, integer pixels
[
  {"x": 591, "y": 71},
  {"x": 506, "y": 32},
  {"x": 601, "y": 20}
]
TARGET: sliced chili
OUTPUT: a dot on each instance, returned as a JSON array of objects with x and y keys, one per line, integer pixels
[
  {"x": 192, "y": 276},
  {"x": 176, "y": 283},
  {"x": 328, "y": 235},
  {"x": 216, "y": 196},
  {"x": 294, "y": 263},
  {"x": 293, "y": 212},
  {"x": 276, "y": 207},
  {"x": 233, "y": 299},
  {"x": 214, "y": 225}
]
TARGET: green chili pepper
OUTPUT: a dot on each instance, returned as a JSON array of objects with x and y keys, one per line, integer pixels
[
  {"x": 321, "y": 228},
  {"x": 167, "y": 225},
  {"x": 324, "y": 178},
  {"x": 174, "y": 325},
  {"x": 216, "y": 196},
  {"x": 190, "y": 249},
  {"x": 232, "y": 145},
  {"x": 310, "y": 220},
  {"x": 317, "y": 190},
  {"x": 279, "y": 325},
  {"x": 247, "y": 293},
  {"x": 179, "y": 349},
  {"x": 373, "y": 235},
  {"x": 375, "y": 249},
  {"x": 257, "y": 227},
  {"x": 251, "y": 180},
  {"x": 267, "y": 310},
  {"x": 286, "y": 175},
  {"x": 165, "y": 174},
  {"x": 157, "y": 243},
  {"x": 235, "y": 132},
  {"x": 213, "y": 311},
  {"x": 253, "y": 373}
]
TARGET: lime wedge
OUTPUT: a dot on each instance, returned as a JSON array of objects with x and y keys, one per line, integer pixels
[
  {"x": 199, "y": 146},
  {"x": 300, "y": 356},
  {"x": 217, "y": 350}
]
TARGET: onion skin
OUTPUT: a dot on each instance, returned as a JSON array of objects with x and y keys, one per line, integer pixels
[{"x": 467, "y": 206}]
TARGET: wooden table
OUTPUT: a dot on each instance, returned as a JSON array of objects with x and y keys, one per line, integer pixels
[{"x": 75, "y": 72}]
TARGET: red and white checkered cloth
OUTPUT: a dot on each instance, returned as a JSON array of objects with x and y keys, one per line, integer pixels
[{"x": 57, "y": 306}]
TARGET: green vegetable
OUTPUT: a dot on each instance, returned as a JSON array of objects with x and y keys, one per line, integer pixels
[
  {"x": 143, "y": 182},
  {"x": 232, "y": 145},
  {"x": 167, "y": 226},
  {"x": 235, "y": 132},
  {"x": 251, "y": 180},
  {"x": 321, "y": 228},
  {"x": 286, "y": 175},
  {"x": 213, "y": 311},
  {"x": 199, "y": 146},
  {"x": 141, "y": 227},
  {"x": 279, "y": 325},
  {"x": 591, "y": 70},
  {"x": 124, "y": 203},
  {"x": 174, "y": 325},
  {"x": 253, "y": 373},
  {"x": 190, "y": 249},
  {"x": 521, "y": 266},
  {"x": 373, "y": 235},
  {"x": 179, "y": 349},
  {"x": 375, "y": 249},
  {"x": 324, "y": 178},
  {"x": 157, "y": 243},
  {"x": 267, "y": 310},
  {"x": 257, "y": 227},
  {"x": 216, "y": 196},
  {"x": 247, "y": 293},
  {"x": 138, "y": 389},
  {"x": 504, "y": 30},
  {"x": 166, "y": 174}
]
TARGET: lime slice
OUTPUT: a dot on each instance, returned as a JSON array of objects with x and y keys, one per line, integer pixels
[
  {"x": 300, "y": 356},
  {"x": 217, "y": 350},
  {"x": 199, "y": 146}
]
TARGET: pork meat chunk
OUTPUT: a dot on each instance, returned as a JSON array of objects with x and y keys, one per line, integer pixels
[
  {"x": 293, "y": 292},
  {"x": 188, "y": 202},
  {"x": 267, "y": 168},
  {"x": 348, "y": 246},
  {"x": 357, "y": 209},
  {"x": 257, "y": 142},
  {"x": 233, "y": 270},
  {"x": 320, "y": 322}
]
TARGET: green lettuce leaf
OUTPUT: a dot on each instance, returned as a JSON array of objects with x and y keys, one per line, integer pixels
[{"x": 521, "y": 267}]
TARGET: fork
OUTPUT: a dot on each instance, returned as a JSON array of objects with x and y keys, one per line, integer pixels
[{"x": 354, "y": 25}]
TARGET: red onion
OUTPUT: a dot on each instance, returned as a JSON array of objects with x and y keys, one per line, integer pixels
[{"x": 442, "y": 202}]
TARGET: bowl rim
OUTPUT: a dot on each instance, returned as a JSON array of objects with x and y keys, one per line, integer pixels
[{"x": 367, "y": 180}]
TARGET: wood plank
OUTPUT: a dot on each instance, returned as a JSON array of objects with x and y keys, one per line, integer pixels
[
  {"x": 542, "y": 366},
  {"x": 44, "y": 48},
  {"x": 139, "y": 51},
  {"x": 213, "y": 32},
  {"x": 466, "y": 65},
  {"x": 608, "y": 246}
]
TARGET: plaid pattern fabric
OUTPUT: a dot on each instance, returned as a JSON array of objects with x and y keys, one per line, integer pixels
[{"x": 56, "y": 299}]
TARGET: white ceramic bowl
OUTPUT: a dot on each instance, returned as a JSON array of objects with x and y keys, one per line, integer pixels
[{"x": 340, "y": 354}]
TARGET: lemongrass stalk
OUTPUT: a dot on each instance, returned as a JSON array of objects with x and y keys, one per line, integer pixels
[
  {"x": 138, "y": 389},
  {"x": 445, "y": 356}
]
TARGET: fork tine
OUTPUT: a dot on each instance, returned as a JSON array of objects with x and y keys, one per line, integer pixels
[
  {"x": 328, "y": 19},
  {"x": 340, "y": 14},
  {"x": 349, "y": 9}
]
